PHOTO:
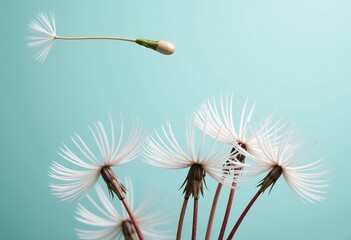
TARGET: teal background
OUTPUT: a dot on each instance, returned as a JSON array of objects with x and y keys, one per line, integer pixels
[{"x": 292, "y": 57}]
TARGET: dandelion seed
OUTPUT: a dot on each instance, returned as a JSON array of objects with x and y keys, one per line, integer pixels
[
  {"x": 281, "y": 156},
  {"x": 167, "y": 153},
  {"x": 112, "y": 225},
  {"x": 77, "y": 183},
  {"x": 44, "y": 28},
  {"x": 220, "y": 115}
]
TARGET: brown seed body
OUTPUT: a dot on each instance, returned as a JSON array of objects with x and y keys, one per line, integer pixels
[
  {"x": 270, "y": 179},
  {"x": 128, "y": 230},
  {"x": 194, "y": 181},
  {"x": 113, "y": 184}
]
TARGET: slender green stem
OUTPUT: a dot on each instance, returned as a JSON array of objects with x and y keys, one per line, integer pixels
[
  {"x": 132, "y": 218},
  {"x": 242, "y": 216},
  {"x": 227, "y": 211},
  {"x": 213, "y": 210},
  {"x": 181, "y": 219},
  {"x": 196, "y": 205},
  {"x": 96, "y": 38}
]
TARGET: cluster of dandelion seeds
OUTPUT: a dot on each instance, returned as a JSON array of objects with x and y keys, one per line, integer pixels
[
  {"x": 222, "y": 144},
  {"x": 213, "y": 147}
]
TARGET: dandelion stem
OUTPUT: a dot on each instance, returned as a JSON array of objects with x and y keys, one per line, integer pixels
[
  {"x": 227, "y": 211},
  {"x": 237, "y": 224},
  {"x": 96, "y": 38},
  {"x": 196, "y": 204},
  {"x": 132, "y": 218},
  {"x": 181, "y": 219},
  {"x": 213, "y": 210}
]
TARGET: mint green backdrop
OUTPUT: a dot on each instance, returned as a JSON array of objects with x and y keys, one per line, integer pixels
[{"x": 291, "y": 56}]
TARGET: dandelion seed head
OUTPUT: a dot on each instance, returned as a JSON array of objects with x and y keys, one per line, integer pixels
[
  {"x": 220, "y": 115},
  {"x": 280, "y": 155},
  {"x": 44, "y": 29},
  {"x": 110, "y": 224},
  {"x": 166, "y": 152},
  {"x": 88, "y": 165}
]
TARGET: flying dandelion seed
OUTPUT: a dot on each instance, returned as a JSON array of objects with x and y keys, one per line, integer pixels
[{"x": 44, "y": 28}]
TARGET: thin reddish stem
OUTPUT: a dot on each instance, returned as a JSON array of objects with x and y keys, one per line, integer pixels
[
  {"x": 181, "y": 219},
  {"x": 213, "y": 210},
  {"x": 227, "y": 211},
  {"x": 132, "y": 218},
  {"x": 196, "y": 205},
  {"x": 237, "y": 224}
]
